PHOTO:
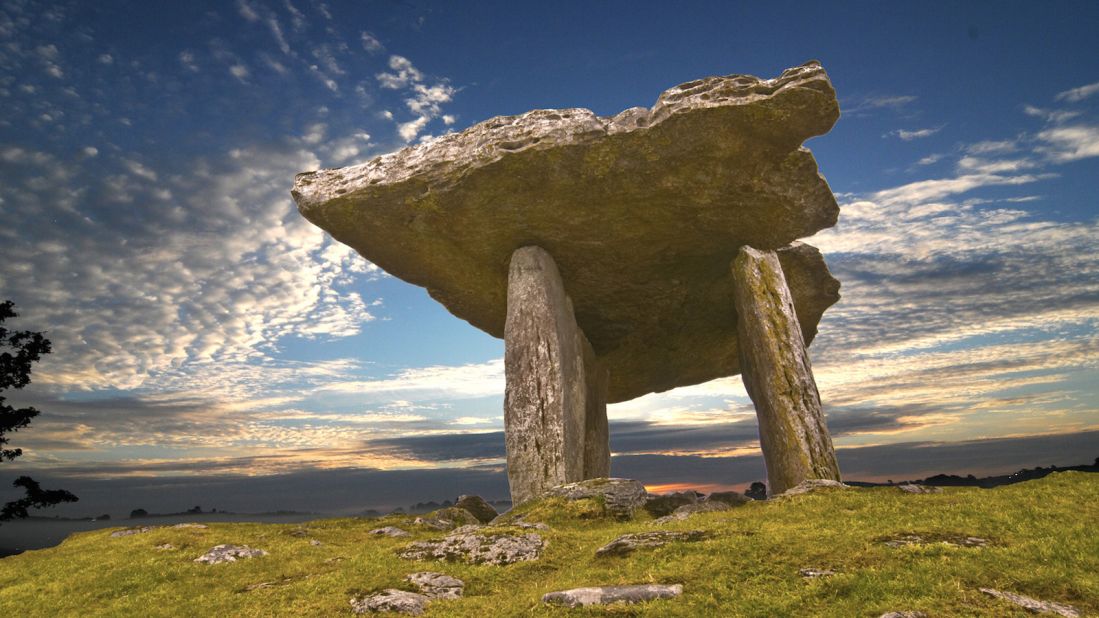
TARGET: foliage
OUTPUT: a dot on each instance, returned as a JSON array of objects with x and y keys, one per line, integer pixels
[
  {"x": 21, "y": 349},
  {"x": 1041, "y": 533}
]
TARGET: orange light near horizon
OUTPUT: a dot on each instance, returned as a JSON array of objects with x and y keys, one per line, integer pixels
[{"x": 706, "y": 489}]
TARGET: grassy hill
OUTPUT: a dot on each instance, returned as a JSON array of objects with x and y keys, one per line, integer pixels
[{"x": 1042, "y": 542}]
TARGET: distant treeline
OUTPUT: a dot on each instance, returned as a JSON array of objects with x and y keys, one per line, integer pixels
[{"x": 953, "y": 480}]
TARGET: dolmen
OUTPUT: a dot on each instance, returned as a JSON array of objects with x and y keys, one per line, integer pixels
[{"x": 619, "y": 256}]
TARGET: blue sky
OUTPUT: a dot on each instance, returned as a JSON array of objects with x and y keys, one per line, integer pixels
[{"x": 204, "y": 332}]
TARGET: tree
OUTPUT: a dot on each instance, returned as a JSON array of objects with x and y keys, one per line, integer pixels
[{"x": 21, "y": 349}]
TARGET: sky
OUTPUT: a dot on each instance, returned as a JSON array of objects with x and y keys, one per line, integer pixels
[{"x": 211, "y": 345}]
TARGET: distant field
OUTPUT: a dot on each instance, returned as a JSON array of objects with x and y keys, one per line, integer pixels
[{"x": 1040, "y": 540}]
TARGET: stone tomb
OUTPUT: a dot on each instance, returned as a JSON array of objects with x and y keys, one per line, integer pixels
[{"x": 617, "y": 257}]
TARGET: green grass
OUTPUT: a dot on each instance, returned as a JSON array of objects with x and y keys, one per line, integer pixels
[{"x": 1043, "y": 544}]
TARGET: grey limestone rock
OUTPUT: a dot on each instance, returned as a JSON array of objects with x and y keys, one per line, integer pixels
[
  {"x": 664, "y": 504},
  {"x": 811, "y": 573},
  {"x": 777, "y": 374},
  {"x": 229, "y": 553},
  {"x": 606, "y": 595},
  {"x": 910, "y": 488},
  {"x": 391, "y": 600},
  {"x": 446, "y": 519},
  {"x": 687, "y": 510},
  {"x": 811, "y": 485},
  {"x": 620, "y": 497},
  {"x": 437, "y": 585},
  {"x": 642, "y": 213},
  {"x": 478, "y": 548},
  {"x": 927, "y": 538},
  {"x": 132, "y": 531},
  {"x": 629, "y": 543},
  {"x": 478, "y": 507},
  {"x": 389, "y": 531},
  {"x": 904, "y": 614},
  {"x": 1034, "y": 605}
]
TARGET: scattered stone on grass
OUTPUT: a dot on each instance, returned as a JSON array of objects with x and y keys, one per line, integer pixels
[
  {"x": 605, "y": 595},
  {"x": 437, "y": 585},
  {"x": 391, "y": 600},
  {"x": 628, "y": 543},
  {"x": 807, "y": 572},
  {"x": 810, "y": 485},
  {"x": 389, "y": 531},
  {"x": 229, "y": 553},
  {"x": 620, "y": 496},
  {"x": 910, "y": 488},
  {"x": 131, "y": 531},
  {"x": 334, "y": 559},
  {"x": 732, "y": 498},
  {"x": 299, "y": 533},
  {"x": 687, "y": 510},
  {"x": 190, "y": 525},
  {"x": 478, "y": 548},
  {"x": 447, "y": 519},
  {"x": 904, "y": 614},
  {"x": 478, "y": 507},
  {"x": 166, "y": 547},
  {"x": 272, "y": 584},
  {"x": 315, "y": 543},
  {"x": 928, "y": 538},
  {"x": 1034, "y": 605},
  {"x": 664, "y": 504},
  {"x": 530, "y": 525}
]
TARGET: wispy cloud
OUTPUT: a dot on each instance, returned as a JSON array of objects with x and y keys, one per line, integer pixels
[
  {"x": 908, "y": 136},
  {"x": 868, "y": 104},
  {"x": 1075, "y": 95},
  {"x": 1069, "y": 143}
]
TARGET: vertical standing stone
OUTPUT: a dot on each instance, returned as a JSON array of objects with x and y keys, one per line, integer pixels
[
  {"x": 776, "y": 371},
  {"x": 555, "y": 416}
]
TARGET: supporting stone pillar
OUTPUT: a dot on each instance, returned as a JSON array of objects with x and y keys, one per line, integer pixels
[
  {"x": 776, "y": 371},
  {"x": 555, "y": 413}
]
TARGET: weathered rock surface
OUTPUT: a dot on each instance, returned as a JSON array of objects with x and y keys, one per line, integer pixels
[
  {"x": 229, "y": 553},
  {"x": 132, "y": 531},
  {"x": 905, "y": 614},
  {"x": 927, "y": 538},
  {"x": 478, "y": 507},
  {"x": 909, "y": 488},
  {"x": 555, "y": 393},
  {"x": 389, "y": 531},
  {"x": 643, "y": 213},
  {"x": 446, "y": 519},
  {"x": 1034, "y": 605},
  {"x": 732, "y": 498},
  {"x": 478, "y": 548},
  {"x": 664, "y": 504},
  {"x": 606, "y": 595},
  {"x": 811, "y": 485},
  {"x": 811, "y": 573},
  {"x": 437, "y": 585},
  {"x": 687, "y": 510},
  {"x": 391, "y": 600},
  {"x": 620, "y": 497},
  {"x": 629, "y": 543},
  {"x": 777, "y": 374}
]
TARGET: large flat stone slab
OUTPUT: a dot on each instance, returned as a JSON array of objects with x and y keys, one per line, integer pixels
[{"x": 642, "y": 212}]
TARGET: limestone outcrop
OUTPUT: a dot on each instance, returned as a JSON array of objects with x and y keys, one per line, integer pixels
[{"x": 642, "y": 212}]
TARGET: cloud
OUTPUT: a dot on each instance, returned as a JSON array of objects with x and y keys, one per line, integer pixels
[
  {"x": 1055, "y": 116},
  {"x": 453, "y": 382},
  {"x": 1070, "y": 143},
  {"x": 1076, "y": 95},
  {"x": 404, "y": 74},
  {"x": 913, "y": 135},
  {"x": 861, "y": 107},
  {"x": 425, "y": 101},
  {"x": 240, "y": 72},
  {"x": 370, "y": 43}
]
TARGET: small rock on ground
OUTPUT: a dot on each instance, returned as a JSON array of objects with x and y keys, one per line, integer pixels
[
  {"x": 958, "y": 540},
  {"x": 732, "y": 498},
  {"x": 315, "y": 543},
  {"x": 910, "y": 488},
  {"x": 687, "y": 510},
  {"x": 628, "y": 543},
  {"x": 130, "y": 531},
  {"x": 391, "y": 600},
  {"x": 166, "y": 547},
  {"x": 620, "y": 496},
  {"x": 815, "y": 572},
  {"x": 531, "y": 525},
  {"x": 389, "y": 531},
  {"x": 498, "y": 549},
  {"x": 810, "y": 485},
  {"x": 229, "y": 553},
  {"x": 437, "y": 585},
  {"x": 663, "y": 504},
  {"x": 606, "y": 595},
  {"x": 476, "y": 505},
  {"x": 1034, "y": 605},
  {"x": 447, "y": 519},
  {"x": 196, "y": 526},
  {"x": 903, "y": 615}
]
